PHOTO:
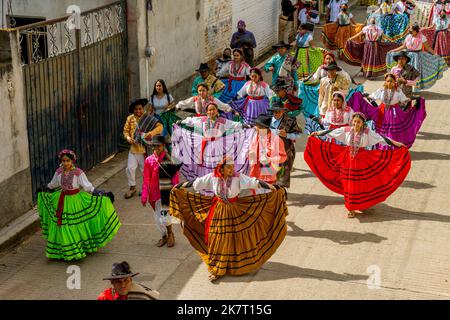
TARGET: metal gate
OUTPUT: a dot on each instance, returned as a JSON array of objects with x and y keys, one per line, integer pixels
[{"x": 76, "y": 84}]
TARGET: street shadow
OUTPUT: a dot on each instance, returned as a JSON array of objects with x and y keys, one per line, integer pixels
[
  {"x": 306, "y": 199},
  {"x": 272, "y": 271},
  {"x": 303, "y": 175},
  {"x": 432, "y": 136},
  {"x": 416, "y": 185},
  {"x": 340, "y": 237},
  {"x": 428, "y": 95},
  {"x": 425, "y": 155},
  {"x": 383, "y": 213}
]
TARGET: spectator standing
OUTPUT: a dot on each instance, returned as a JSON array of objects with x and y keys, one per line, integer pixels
[{"x": 245, "y": 40}]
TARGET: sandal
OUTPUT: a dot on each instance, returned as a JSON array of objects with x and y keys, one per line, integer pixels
[
  {"x": 213, "y": 277},
  {"x": 351, "y": 214}
]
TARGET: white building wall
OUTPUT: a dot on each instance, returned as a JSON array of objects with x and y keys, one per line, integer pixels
[{"x": 261, "y": 18}]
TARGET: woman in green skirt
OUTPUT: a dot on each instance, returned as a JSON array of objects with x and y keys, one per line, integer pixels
[{"x": 75, "y": 222}]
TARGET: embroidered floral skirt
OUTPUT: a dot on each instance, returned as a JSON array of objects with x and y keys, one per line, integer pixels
[
  {"x": 365, "y": 180},
  {"x": 88, "y": 223},
  {"x": 395, "y": 26},
  {"x": 242, "y": 235},
  {"x": 431, "y": 67},
  {"x": 371, "y": 56}
]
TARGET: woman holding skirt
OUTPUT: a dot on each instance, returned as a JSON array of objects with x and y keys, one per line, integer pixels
[
  {"x": 430, "y": 65},
  {"x": 397, "y": 117},
  {"x": 233, "y": 235},
  {"x": 370, "y": 54},
  {"x": 394, "y": 25},
  {"x": 364, "y": 177},
  {"x": 310, "y": 58},
  {"x": 439, "y": 37},
  {"x": 254, "y": 98},
  {"x": 74, "y": 222}
]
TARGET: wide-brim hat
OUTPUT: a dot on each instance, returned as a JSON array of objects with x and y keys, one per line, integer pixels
[
  {"x": 263, "y": 121},
  {"x": 203, "y": 67},
  {"x": 332, "y": 66},
  {"x": 281, "y": 44},
  {"x": 157, "y": 140},
  {"x": 137, "y": 102},
  {"x": 120, "y": 270},
  {"x": 280, "y": 83},
  {"x": 402, "y": 54},
  {"x": 277, "y": 107}
]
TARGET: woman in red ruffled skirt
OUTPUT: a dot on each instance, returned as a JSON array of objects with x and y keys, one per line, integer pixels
[{"x": 364, "y": 177}]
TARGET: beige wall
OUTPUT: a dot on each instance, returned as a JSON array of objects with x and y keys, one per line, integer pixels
[{"x": 15, "y": 181}]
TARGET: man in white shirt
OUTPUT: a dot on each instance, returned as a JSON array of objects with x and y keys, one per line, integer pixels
[{"x": 307, "y": 15}]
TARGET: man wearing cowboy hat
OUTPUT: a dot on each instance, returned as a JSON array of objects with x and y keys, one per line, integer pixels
[
  {"x": 160, "y": 175},
  {"x": 407, "y": 75},
  {"x": 245, "y": 40},
  {"x": 123, "y": 287},
  {"x": 289, "y": 101},
  {"x": 283, "y": 65},
  {"x": 289, "y": 131},
  {"x": 137, "y": 129},
  {"x": 215, "y": 85},
  {"x": 334, "y": 81}
]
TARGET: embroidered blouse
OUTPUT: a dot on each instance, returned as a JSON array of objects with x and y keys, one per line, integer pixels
[
  {"x": 368, "y": 137},
  {"x": 338, "y": 116},
  {"x": 251, "y": 89},
  {"x": 225, "y": 189},
  {"x": 399, "y": 7},
  {"x": 70, "y": 180},
  {"x": 303, "y": 41},
  {"x": 200, "y": 104},
  {"x": 389, "y": 97},
  {"x": 205, "y": 126},
  {"x": 415, "y": 43},
  {"x": 242, "y": 72},
  {"x": 343, "y": 19},
  {"x": 372, "y": 32}
]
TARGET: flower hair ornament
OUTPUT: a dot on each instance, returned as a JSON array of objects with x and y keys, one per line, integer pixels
[
  {"x": 361, "y": 115},
  {"x": 64, "y": 152}
]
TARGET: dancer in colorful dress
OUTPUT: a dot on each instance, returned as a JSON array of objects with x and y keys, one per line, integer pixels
[
  {"x": 232, "y": 233},
  {"x": 394, "y": 25},
  {"x": 266, "y": 152},
  {"x": 430, "y": 65},
  {"x": 138, "y": 129},
  {"x": 160, "y": 175},
  {"x": 283, "y": 65},
  {"x": 437, "y": 9},
  {"x": 309, "y": 57},
  {"x": 338, "y": 115},
  {"x": 201, "y": 100},
  {"x": 289, "y": 131},
  {"x": 397, "y": 117},
  {"x": 336, "y": 34},
  {"x": 200, "y": 143},
  {"x": 309, "y": 89},
  {"x": 75, "y": 223},
  {"x": 407, "y": 75},
  {"x": 161, "y": 105},
  {"x": 370, "y": 54},
  {"x": 239, "y": 72},
  {"x": 289, "y": 101},
  {"x": 215, "y": 86},
  {"x": 333, "y": 82},
  {"x": 438, "y": 37},
  {"x": 254, "y": 98},
  {"x": 333, "y": 9},
  {"x": 364, "y": 177}
]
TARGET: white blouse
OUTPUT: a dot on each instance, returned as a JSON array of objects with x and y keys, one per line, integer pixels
[
  {"x": 321, "y": 73},
  {"x": 204, "y": 126},
  {"x": 260, "y": 89},
  {"x": 160, "y": 103},
  {"x": 200, "y": 104},
  {"x": 384, "y": 96},
  {"x": 368, "y": 138},
  {"x": 238, "y": 183},
  {"x": 79, "y": 178},
  {"x": 346, "y": 119}
]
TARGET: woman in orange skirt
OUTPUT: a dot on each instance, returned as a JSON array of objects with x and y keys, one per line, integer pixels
[
  {"x": 233, "y": 235},
  {"x": 335, "y": 35}
]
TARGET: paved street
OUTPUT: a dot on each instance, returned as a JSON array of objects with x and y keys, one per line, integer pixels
[{"x": 324, "y": 256}]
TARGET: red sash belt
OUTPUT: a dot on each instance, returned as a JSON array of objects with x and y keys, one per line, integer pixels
[
  {"x": 231, "y": 79},
  {"x": 202, "y": 150},
  {"x": 59, "y": 210},
  {"x": 380, "y": 119},
  {"x": 256, "y": 98},
  {"x": 335, "y": 126},
  {"x": 216, "y": 199}
]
